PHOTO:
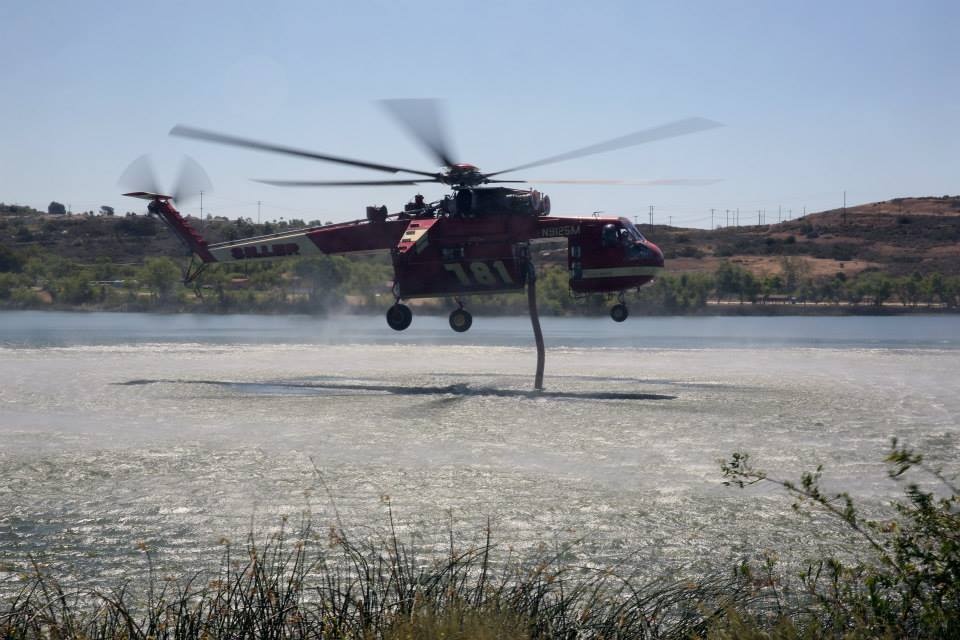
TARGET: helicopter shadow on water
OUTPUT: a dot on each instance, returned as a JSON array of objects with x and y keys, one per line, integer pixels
[
  {"x": 686, "y": 384},
  {"x": 327, "y": 385}
]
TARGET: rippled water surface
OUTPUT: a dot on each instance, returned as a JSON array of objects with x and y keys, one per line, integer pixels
[{"x": 179, "y": 431}]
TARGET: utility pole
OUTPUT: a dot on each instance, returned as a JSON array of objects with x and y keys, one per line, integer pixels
[
  {"x": 804, "y": 211},
  {"x": 651, "y": 215},
  {"x": 670, "y": 218},
  {"x": 728, "y": 219},
  {"x": 844, "y": 206},
  {"x": 758, "y": 217},
  {"x": 711, "y": 218},
  {"x": 738, "y": 216},
  {"x": 779, "y": 211},
  {"x": 258, "y": 212}
]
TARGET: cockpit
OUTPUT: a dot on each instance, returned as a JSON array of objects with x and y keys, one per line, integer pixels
[
  {"x": 623, "y": 234},
  {"x": 632, "y": 230}
]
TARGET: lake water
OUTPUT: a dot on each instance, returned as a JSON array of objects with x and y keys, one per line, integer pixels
[{"x": 179, "y": 430}]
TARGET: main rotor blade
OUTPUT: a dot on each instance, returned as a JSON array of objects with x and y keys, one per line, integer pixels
[
  {"x": 668, "y": 130},
  {"x": 340, "y": 183},
  {"x": 191, "y": 181},
  {"x": 423, "y": 119},
  {"x": 664, "y": 182},
  {"x": 140, "y": 176},
  {"x": 221, "y": 138}
]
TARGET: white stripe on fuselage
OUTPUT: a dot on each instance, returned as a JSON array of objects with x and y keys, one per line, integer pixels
[
  {"x": 620, "y": 272},
  {"x": 277, "y": 247}
]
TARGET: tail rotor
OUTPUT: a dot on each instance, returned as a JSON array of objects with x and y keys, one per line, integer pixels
[
  {"x": 191, "y": 181},
  {"x": 140, "y": 178}
]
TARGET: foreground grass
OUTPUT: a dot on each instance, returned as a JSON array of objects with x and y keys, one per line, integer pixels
[
  {"x": 306, "y": 585},
  {"x": 294, "y": 587}
]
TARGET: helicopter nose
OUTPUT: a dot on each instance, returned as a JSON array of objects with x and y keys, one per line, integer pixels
[{"x": 657, "y": 253}]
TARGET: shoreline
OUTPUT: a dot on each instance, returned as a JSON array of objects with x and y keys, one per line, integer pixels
[{"x": 713, "y": 308}]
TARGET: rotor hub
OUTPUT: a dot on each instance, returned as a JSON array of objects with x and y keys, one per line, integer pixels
[{"x": 464, "y": 175}]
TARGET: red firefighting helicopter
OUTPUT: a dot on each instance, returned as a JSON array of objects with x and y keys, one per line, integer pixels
[{"x": 475, "y": 240}]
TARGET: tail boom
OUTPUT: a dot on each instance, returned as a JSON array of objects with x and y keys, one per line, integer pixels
[
  {"x": 360, "y": 237},
  {"x": 161, "y": 206}
]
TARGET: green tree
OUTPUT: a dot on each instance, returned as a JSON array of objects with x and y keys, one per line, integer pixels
[
  {"x": 749, "y": 286},
  {"x": 216, "y": 279},
  {"x": 853, "y": 292},
  {"x": 694, "y": 290},
  {"x": 9, "y": 282},
  {"x": 56, "y": 209},
  {"x": 665, "y": 292},
  {"x": 104, "y": 269},
  {"x": 160, "y": 275},
  {"x": 876, "y": 286},
  {"x": 772, "y": 284},
  {"x": 10, "y": 260},
  {"x": 728, "y": 280},
  {"x": 73, "y": 289},
  {"x": 831, "y": 290},
  {"x": 934, "y": 288},
  {"x": 793, "y": 269},
  {"x": 951, "y": 292},
  {"x": 908, "y": 290},
  {"x": 808, "y": 291},
  {"x": 553, "y": 291}
]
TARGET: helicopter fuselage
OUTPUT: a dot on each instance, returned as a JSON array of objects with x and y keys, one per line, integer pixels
[{"x": 475, "y": 241}]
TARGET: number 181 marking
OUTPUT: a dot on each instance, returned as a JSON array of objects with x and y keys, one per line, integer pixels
[{"x": 480, "y": 273}]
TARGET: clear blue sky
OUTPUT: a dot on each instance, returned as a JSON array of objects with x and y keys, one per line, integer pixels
[{"x": 817, "y": 98}]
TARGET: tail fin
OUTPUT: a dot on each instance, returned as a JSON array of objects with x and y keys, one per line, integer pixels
[{"x": 161, "y": 206}]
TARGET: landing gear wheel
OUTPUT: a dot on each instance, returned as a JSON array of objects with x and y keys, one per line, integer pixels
[
  {"x": 399, "y": 317},
  {"x": 460, "y": 320},
  {"x": 619, "y": 312}
]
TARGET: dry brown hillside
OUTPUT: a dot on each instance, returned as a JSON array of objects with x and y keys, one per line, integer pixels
[{"x": 899, "y": 236}]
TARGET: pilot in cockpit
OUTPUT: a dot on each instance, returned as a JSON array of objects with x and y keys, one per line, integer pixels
[{"x": 609, "y": 235}]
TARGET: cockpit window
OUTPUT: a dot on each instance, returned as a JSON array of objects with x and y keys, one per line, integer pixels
[
  {"x": 610, "y": 235},
  {"x": 637, "y": 251},
  {"x": 634, "y": 232}
]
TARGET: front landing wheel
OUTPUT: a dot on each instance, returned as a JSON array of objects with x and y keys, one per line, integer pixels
[
  {"x": 619, "y": 312},
  {"x": 460, "y": 320},
  {"x": 399, "y": 317}
]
